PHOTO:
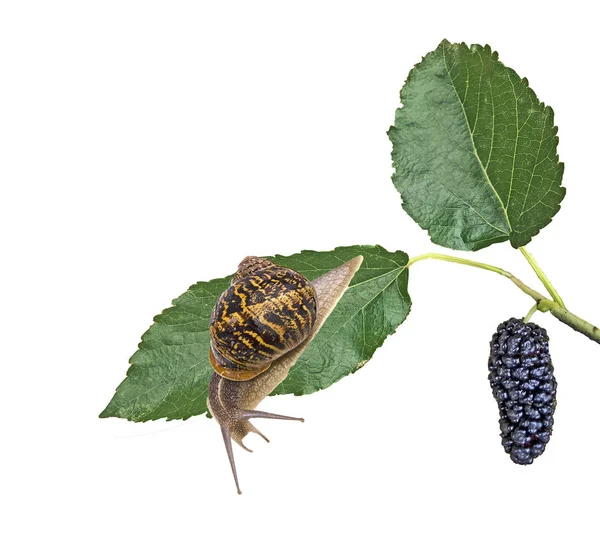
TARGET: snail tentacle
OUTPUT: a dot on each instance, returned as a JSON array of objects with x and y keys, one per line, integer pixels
[
  {"x": 253, "y": 414},
  {"x": 256, "y": 431},
  {"x": 229, "y": 448}
]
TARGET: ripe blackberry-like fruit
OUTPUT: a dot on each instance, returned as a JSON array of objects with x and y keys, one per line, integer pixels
[{"x": 523, "y": 384}]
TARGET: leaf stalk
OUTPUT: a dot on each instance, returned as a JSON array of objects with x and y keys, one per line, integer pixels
[
  {"x": 542, "y": 276},
  {"x": 456, "y": 259}
]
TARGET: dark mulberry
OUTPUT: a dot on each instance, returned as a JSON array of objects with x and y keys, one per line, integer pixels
[{"x": 523, "y": 384}]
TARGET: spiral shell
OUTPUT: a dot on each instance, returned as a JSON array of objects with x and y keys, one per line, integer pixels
[{"x": 267, "y": 311}]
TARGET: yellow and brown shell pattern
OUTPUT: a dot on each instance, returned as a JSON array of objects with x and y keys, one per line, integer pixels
[{"x": 267, "y": 311}]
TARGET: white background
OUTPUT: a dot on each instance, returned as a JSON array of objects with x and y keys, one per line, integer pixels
[{"x": 149, "y": 145}]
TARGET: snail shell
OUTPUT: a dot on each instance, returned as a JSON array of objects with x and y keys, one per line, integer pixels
[{"x": 267, "y": 311}]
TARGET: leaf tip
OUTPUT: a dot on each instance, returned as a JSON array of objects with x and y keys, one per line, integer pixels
[{"x": 106, "y": 413}]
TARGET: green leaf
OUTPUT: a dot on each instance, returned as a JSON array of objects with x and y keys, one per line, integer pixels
[
  {"x": 475, "y": 151},
  {"x": 169, "y": 373}
]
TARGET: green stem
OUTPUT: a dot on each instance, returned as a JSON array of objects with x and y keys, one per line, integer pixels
[
  {"x": 542, "y": 303},
  {"x": 576, "y": 323},
  {"x": 542, "y": 276}
]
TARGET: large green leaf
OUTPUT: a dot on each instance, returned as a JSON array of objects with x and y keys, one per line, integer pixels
[
  {"x": 169, "y": 374},
  {"x": 475, "y": 150}
]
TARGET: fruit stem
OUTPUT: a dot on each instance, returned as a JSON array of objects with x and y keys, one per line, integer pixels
[
  {"x": 542, "y": 303},
  {"x": 542, "y": 276},
  {"x": 531, "y": 312}
]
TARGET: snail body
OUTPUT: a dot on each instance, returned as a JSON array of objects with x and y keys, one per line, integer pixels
[
  {"x": 234, "y": 402},
  {"x": 267, "y": 311}
]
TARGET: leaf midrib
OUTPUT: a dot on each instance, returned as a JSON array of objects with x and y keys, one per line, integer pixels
[{"x": 475, "y": 152}]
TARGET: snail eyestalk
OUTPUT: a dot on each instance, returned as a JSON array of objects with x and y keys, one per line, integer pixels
[{"x": 253, "y": 414}]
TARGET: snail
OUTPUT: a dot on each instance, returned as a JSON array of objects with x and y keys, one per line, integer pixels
[{"x": 258, "y": 329}]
